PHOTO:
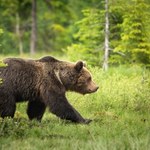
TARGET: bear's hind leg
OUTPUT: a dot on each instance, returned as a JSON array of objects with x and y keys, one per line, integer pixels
[
  {"x": 7, "y": 107},
  {"x": 35, "y": 110}
]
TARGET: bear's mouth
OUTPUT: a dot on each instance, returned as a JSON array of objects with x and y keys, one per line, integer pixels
[
  {"x": 93, "y": 90},
  {"x": 90, "y": 91}
]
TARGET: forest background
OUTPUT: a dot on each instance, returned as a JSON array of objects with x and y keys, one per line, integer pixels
[{"x": 77, "y": 29}]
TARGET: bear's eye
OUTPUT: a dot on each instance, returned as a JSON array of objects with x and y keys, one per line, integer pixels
[{"x": 89, "y": 79}]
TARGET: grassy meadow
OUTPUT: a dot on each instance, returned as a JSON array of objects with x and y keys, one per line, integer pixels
[{"x": 120, "y": 111}]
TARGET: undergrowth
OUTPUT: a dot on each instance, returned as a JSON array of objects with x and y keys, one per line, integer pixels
[{"x": 120, "y": 111}]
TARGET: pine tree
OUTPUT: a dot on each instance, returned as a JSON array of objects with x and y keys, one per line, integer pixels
[{"x": 134, "y": 37}]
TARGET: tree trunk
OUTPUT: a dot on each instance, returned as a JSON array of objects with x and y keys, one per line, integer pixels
[
  {"x": 106, "y": 46},
  {"x": 18, "y": 33},
  {"x": 34, "y": 29}
]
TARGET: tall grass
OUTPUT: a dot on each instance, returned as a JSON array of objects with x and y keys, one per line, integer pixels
[{"x": 120, "y": 111}]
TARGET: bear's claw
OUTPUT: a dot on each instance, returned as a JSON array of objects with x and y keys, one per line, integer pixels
[{"x": 87, "y": 121}]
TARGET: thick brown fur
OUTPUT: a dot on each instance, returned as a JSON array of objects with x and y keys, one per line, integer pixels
[{"x": 43, "y": 83}]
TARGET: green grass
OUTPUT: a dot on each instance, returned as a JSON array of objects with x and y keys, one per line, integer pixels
[{"x": 120, "y": 111}]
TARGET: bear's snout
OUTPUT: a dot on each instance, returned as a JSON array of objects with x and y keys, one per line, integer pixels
[
  {"x": 97, "y": 87},
  {"x": 93, "y": 89}
]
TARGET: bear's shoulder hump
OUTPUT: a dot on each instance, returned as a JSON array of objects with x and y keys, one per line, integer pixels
[{"x": 48, "y": 59}]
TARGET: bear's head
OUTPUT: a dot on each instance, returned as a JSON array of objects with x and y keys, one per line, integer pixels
[{"x": 76, "y": 77}]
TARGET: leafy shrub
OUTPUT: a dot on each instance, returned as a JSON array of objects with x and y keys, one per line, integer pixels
[
  {"x": 90, "y": 37},
  {"x": 80, "y": 52},
  {"x": 2, "y": 65}
]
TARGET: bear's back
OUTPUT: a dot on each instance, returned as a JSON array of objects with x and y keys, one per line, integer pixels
[
  {"x": 20, "y": 77},
  {"x": 19, "y": 70},
  {"x": 17, "y": 62}
]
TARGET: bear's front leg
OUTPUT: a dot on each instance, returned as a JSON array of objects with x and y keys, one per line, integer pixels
[
  {"x": 60, "y": 106},
  {"x": 35, "y": 109}
]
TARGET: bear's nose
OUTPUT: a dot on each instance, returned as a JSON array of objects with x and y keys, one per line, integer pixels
[{"x": 96, "y": 88}]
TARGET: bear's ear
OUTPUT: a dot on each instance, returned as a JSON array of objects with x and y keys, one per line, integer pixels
[
  {"x": 79, "y": 65},
  {"x": 84, "y": 64}
]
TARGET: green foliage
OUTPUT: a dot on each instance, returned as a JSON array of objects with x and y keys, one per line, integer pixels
[
  {"x": 120, "y": 112},
  {"x": 53, "y": 29},
  {"x": 1, "y": 80},
  {"x": 56, "y": 29},
  {"x": 9, "y": 9},
  {"x": 135, "y": 34},
  {"x": 129, "y": 33},
  {"x": 80, "y": 52},
  {"x": 1, "y": 32},
  {"x": 80, "y": 29},
  {"x": 90, "y": 37},
  {"x": 2, "y": 65}
]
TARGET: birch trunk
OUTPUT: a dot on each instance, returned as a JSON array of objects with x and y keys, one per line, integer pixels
[
  {"x": 18, "y": 33},
  {"x": 106, "y": 46},
  {"x": 34, "y": 29}
]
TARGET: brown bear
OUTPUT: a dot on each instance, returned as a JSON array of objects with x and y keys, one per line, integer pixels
[{"x": 42, "y": 83}]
